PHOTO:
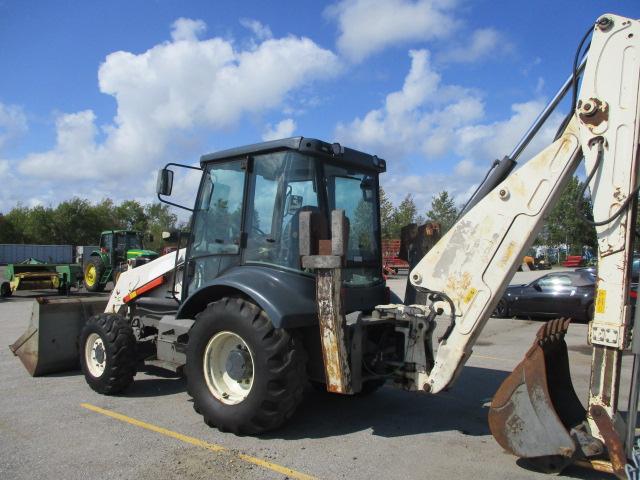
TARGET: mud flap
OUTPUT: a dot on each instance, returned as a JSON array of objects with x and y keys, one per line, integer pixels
[
  {"x": 535, "y": 409},
  {"x": 50, "y": 343}
]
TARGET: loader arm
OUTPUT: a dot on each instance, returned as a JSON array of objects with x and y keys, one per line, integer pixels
[{"x": 472, "y": 264}]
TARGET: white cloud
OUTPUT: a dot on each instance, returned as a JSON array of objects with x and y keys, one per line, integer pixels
[
  {"x": 187, "y": 29},
  {"x": 259, "y": 30},
  {"x": 413, "y": 118},
  {"x": 428, "y": 122},
  {"x": 13, "y": 123},
  {"x": 171, "y": 91},
  {"x": 483, "y": 43},
  {"x": 368, "y": 26},
  {"x": 283, "y": 129}
]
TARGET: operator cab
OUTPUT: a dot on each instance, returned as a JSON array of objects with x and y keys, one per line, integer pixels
[{"x": 249, "y": 203}]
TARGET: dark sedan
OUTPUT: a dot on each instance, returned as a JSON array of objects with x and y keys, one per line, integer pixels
[{"x": 562, "y": 294}]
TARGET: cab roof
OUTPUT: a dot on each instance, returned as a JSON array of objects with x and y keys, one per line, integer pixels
[{"x": 308, "y": 146}]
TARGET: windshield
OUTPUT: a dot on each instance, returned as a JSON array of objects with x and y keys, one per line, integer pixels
[
  {"x": 134, "y": 242},
  {"x": 282, "y": 185},
  {"x": 356, "y": 193}
]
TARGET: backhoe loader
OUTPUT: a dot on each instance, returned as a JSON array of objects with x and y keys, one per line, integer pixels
[{"x": 279, "y": 281}]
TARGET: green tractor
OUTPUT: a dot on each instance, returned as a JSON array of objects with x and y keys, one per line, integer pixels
[{"x": 117, "y": 249}]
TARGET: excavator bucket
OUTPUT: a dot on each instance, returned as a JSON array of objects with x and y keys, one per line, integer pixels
[
  {"x": 535, "y": 409},
  {"x": 50, "y": 343}
]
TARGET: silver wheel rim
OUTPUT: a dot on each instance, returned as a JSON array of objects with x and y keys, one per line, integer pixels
[
  {"x": 228, "y": 367},
  {"x": 95, "y": 355}
]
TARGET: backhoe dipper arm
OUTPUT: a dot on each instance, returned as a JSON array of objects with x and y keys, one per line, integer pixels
[{"x": 473, "y": 263}]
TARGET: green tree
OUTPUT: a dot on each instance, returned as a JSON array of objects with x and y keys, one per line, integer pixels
[
  {"x": 443, "y": 210},
  {"x": 565, "y": 225},
  {"x": 386, "y": 214},
  {"x": 78, "y": 222},
  {"x": 159, "y": 219},
  {"x": 403, "y": 215},
  {"x": 131, "y": 216}
]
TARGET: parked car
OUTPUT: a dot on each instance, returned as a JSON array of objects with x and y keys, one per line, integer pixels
[{"x": 562, "y": 294}]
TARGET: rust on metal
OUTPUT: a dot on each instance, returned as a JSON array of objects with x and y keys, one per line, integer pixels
[
  {"x": 593, "y": 112},
  {"x": 332, "y": 335},
  {"x": 611, "y": 438},
  {"x": 50, "y": 342},
  {"x": 326, "y": 257},
  {"x": 536, "y": 406}
]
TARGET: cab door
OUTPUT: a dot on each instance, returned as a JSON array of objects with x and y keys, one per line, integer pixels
[{"x": 217, "y": 225}]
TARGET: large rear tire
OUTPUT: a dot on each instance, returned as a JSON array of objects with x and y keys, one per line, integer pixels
[
  {"x": 245, "y": 375},
  {"x": 108, "y": 353},
  {"x": 93, "y": 271}
]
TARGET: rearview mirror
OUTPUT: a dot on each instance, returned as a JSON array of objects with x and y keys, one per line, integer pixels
[
  {"x": 366, "y": 186},
  {"x": 165, "y": 182},
  {"x": 294, "y": 202}
]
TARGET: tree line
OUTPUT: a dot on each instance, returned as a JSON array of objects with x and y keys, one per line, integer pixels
[
  {"x": 443, "y": 210},
  {"x": 79, "y": 222}
]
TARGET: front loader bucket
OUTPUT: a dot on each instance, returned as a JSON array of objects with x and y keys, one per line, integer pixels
[
  {"x": 50, "y": 343},
  {"x": 535, "y": 408}
]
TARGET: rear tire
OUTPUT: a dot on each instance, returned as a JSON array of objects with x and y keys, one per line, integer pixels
[
  {"x": 93, "y": 271},
  {"x": 502, "y": 309},
  {"x": 108, "y": 353},
  {"x": 262, "y": 380}
]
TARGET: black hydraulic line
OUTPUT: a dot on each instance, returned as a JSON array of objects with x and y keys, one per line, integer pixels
[
  {"x": 596, "y": 166},
  {"x": 500, "y": 169}
]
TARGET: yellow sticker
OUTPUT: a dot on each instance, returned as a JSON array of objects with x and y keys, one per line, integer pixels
[
  {"x": 470, "y": 294},
  {"x": 601, "y": 300}
]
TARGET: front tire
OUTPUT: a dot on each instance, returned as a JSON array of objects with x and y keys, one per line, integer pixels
[
  {"x": 245, "y": 375},
  {"x": 93, "y": 271},
  {"x": 108, "y": 353}
]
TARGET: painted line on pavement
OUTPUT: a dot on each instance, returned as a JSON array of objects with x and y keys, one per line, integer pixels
[{"x": 199, "y": 443}]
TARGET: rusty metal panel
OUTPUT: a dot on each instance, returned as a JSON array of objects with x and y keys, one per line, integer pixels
[
  {"x": 332, "y": 334},
  {"x": 536, "y": 406},
  {"x": 50, "y": 343}
]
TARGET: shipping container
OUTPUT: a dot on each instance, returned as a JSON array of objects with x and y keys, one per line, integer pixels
[{"x": 16, "y": 253}]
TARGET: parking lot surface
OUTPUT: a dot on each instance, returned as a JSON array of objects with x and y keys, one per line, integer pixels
[{"x": 56, "y": 427}]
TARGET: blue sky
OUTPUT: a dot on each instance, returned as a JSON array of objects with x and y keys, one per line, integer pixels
[{"x": 96, "y": 96}]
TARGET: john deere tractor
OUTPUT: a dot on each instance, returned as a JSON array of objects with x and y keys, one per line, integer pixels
[{"x": 118, "y": 248}]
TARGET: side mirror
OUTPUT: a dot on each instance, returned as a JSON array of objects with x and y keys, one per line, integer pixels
[
  {"x": 165, "y": 182},
  {"x": 537, "y": 287},
  {"x": 294, "y": 203},
  {"x": 173, "y": 236},
  {"x": 366, "y": 186}
]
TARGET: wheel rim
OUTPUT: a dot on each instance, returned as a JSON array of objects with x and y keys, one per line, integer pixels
[
  {"x": 228, "y": 368},
  {"x": 95, "y": 355},
  {"x": 90, "y": 275}
]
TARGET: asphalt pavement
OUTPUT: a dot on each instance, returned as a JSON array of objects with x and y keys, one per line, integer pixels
[{"x": 57, "y": 427}]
